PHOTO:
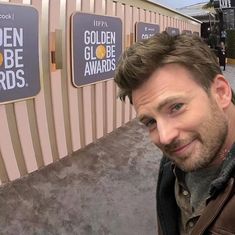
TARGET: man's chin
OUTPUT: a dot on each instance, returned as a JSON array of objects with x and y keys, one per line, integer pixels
[
  {"x": 190, "y": 166},
  {"x": 186, "y": 165}
]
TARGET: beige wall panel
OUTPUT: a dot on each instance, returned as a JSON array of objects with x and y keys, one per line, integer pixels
[
  {"x": 6, "y": 147},
  {"x": 176, "y": 25},
  {"x": 56, "y": 85},
  {"x": 167, "y": 21},
  {"x": 43, "y": 128},
  {"x": 25, "y": 136},
  {"x": 47, "y": 83},
  {"x": 78, "y": 5},
  {"x": 16, "y": 1},
  {"x": 99, "y": 109},
  {"x": 119, "y": 105},
  {"x": 161, "y": 18},
  {"x": 65, "y": 74},
  {"x": 3, "y": 171},
  {"x": 99, "y": 8},
  {"x": 111, "y": 99},
  {"x": 40, "y": 106},
  {"x": 110, "y": 105},
  {"x": 86, "y": 6},
  {"x": 58, "y": 113},
  {"x": 186, "y": 25},
  {"x": 128, "y": 35},
  {"x": 180, "y": 23},
  {"x": 77, "y": 133},
  {"x": 136, "y": 18},
  {"x": 158, "y": 18},
  {"x": 133, "y": 19},
  {"x": 34, "y": 132},
  {"x": 147, "y": 16},
  {"x": 87, "y": 114},
  {"x": 135, "y": 14},
  {"x": 79, "y": 140},
  {"x": 15, "y": 138},
  {"x": 142, "y": 15},
  {"x": 87, "y": 95},
  {"x": 93, "y": 112},
  {"x": 152, "y": 17}
]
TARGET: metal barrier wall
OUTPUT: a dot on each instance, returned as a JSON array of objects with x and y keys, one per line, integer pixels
[{"x": 61, "y": 118}]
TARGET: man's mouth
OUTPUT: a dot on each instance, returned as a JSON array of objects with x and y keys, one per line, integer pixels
[{"x": 181, "y": 148}]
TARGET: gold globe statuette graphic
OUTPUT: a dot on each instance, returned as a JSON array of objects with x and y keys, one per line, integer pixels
[
  {"x": 1, "y": 58},
  {"x": 100, "y": 52}
]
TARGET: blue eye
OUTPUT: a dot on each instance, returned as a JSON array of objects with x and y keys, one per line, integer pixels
[
  {"x": 150, "y": 123},
  {"x": 176, "y": 107}
]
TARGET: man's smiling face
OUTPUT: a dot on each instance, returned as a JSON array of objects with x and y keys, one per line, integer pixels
[{"x": 184, "y": 121}]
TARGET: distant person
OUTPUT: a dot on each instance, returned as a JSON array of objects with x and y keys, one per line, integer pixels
[
  {"x": 223, "y": 36},
  {"x": 180, "y": 94},
  {"x": 222, "y": 55}
]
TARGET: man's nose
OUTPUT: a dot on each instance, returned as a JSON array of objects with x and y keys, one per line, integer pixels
[{"x": 167, "y": 132}]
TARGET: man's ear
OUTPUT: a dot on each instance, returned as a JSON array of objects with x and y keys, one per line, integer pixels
[{"x": 221, "y": 90}]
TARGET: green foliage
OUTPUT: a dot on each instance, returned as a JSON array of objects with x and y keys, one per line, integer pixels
[
  {"x": 208, "y": 5},
  {"x": 230, "y": 43},
  {"x": 212, "y": 41}
]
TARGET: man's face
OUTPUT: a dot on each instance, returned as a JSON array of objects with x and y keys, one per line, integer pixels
[{"x": 184, "y": 122}]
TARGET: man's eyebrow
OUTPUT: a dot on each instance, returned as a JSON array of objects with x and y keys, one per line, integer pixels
[
  {"x": 161, "y": 105},
  {"x": 167, "y": 101}
]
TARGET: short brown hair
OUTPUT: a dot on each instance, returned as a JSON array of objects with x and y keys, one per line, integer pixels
[{"x": 140, "y": 60}]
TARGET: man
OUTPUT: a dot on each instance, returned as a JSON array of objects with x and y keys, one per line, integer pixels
[{"x": 182, "y": 97}]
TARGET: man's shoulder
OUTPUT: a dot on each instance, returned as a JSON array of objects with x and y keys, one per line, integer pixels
[{"x": 225, "y": 221}]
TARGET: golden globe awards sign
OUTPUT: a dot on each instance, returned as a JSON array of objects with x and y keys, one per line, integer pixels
[
  {"x": 19, "y": 60},
  {"x": 145, "y": 30},
  {"x": 172, "y": 31},
  {"x": 96, "y": 47}
]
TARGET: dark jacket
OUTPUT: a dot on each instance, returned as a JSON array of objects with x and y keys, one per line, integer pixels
[{"x": 218, "y": 217}]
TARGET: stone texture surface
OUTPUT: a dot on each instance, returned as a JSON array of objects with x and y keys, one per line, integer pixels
[{"x": 106, "y": 188}]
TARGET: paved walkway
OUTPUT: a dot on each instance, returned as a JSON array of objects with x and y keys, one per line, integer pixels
[
  {"x": 229, "y": 73},
  {"x": 107, "y": 188}
]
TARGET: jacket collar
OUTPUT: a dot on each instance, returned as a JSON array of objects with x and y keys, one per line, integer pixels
[{"x": 227, "y": 171}]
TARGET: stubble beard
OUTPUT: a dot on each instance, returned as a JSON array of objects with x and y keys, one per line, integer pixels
[{"x": 209, "y": 143}]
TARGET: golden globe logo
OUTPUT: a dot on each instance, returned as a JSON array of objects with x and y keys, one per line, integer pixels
[{"x": 99, "y": 52}]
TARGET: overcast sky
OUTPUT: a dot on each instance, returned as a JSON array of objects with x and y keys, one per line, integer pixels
[{"x": 178, "y": 3}]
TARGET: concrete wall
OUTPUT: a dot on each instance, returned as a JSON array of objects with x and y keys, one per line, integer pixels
[{"x": 61, "y": 118}]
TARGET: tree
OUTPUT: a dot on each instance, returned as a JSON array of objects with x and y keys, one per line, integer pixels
[{"x": 208, "y": 5}]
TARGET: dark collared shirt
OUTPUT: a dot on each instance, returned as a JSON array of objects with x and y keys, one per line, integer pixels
[{"x": 191, "y": 193}]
